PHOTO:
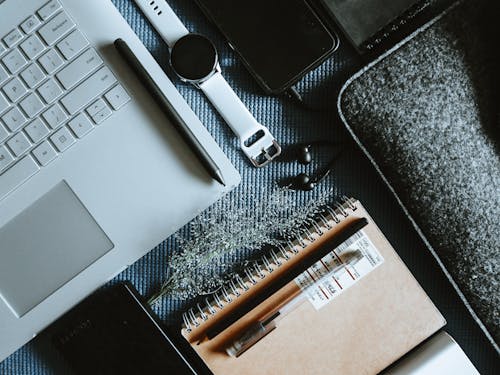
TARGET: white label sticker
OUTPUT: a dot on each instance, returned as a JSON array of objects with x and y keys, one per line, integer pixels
[{"x": 341, "y": 268}]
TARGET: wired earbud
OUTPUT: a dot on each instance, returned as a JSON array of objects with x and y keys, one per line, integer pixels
[
  {"x": 303, "y": 182},
  {"x": 302, "y": 154}
]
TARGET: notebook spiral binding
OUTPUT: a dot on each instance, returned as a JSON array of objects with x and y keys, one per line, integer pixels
[
  {"x": 385, "y": 33},
  {"x": 240, "y": 283}
]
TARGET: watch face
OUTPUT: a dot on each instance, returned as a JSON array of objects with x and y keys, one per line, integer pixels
[{"x": 193, "y": 57}]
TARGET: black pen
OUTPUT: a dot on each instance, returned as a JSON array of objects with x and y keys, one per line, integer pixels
[
  {"x": 287, "y": 277},
  {"x": 169, "y": 110}
]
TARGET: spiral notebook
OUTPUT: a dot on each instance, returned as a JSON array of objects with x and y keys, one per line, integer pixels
[{"x": 353, "y": 317}]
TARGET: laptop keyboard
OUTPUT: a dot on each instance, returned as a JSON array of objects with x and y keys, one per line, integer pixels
[{"x": 54, "y": 90}]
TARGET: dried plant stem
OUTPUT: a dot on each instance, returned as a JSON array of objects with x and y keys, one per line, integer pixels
[{"x": 217, "y": 235}]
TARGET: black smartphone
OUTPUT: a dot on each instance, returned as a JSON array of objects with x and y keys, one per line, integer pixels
[{"x": 279, "y": 41}]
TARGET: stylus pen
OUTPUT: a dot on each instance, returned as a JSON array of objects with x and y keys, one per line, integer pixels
[
  {"x": 170, "y": 111},
  {"x": 287, "y": 277}
]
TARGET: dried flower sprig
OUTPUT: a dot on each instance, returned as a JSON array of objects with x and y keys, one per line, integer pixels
[{"x": 215, "y": 237}]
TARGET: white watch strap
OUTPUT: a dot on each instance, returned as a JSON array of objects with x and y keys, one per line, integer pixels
[
  {"x": 263, "y": 147},
  {"x": 256, "y": 141},
  {"x": 163, "y": 19}
]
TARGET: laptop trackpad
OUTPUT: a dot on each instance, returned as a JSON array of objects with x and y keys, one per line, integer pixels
[{"x": 45, "y": 246}]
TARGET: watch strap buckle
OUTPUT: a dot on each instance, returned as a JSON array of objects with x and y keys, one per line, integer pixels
[{"x": 261, "y": 147}]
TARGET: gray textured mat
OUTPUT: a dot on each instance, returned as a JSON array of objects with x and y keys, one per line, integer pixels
[{"x": 428, "y": 115}]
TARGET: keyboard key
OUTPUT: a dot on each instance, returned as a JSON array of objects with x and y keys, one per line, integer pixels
[
  {"x": 14, "y": 119},
  {"x": 95, "y": 107},
  {"x": 81, "y": 67},
  {"x": 32, "y": 75},
  {"x": 62, "y": 139},
  {"x": 31, "y": 105},
  {"x": 3, "y": 133},
  {"x": 81, "y": 125},
  {"x": 12, "y": 38},
  {"x": 53, "y": 30},
  {"x": 72, "y": 44},
  {"x": 37, "y": 130},
  {"x": 2, "y": 49},
  {"x": 19, "y": 144},
  {"x": 117, "y": 97},
  {"x": 92, "y": 87},
  {"x": 17, "y": 174},
  {"x": 50, "y": 91},
  {"x": 30, "y": 24},
  {"x": 51, "y": 61},
  {"x": 5, "y": 158},
  {"x": 54, "y": 116},
  {"x": 44, "y": 153},
  {"x": 48, "y": 9},
  {"x": 102, "y": 115},
  {"x": 4, "y": 104},
  {"x": 3, "y": 75},
  {"x": 14, "y": 89},
  {"x": 14, "y": 61},
  {"x": 32, "y": 46}
]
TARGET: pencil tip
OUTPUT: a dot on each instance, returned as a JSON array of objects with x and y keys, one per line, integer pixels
[{"x": 218, "y": 177}]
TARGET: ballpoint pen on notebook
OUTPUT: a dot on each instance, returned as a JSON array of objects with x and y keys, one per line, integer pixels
[{"x": 268, "y": 323}]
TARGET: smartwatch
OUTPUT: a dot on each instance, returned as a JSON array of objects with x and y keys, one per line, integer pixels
[{"x": 195, "y": 60}]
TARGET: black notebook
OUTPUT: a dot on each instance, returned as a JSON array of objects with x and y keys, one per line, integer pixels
[
  {"x": 113, "y": 332},
  {"x": 362, "y": 19}
]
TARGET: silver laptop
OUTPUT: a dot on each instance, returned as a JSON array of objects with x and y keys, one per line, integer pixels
[{"x": 92, "y": 174}]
